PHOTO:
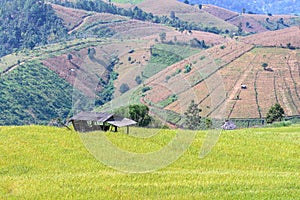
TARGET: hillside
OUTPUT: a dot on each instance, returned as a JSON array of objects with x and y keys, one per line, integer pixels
[
  {"x": 252, "y": 23},
  {"x": 109, "y": 52},
  {"x": 214, "y": 18},
  {"x": 256, "y": 6},
  {"x": 217, "y": 74},
  {"x": 51, "y": 163},
  {"x": 25, "y": 100},
  {"x": 26, "y": 24},
  {"x": 236, "y": 64},
  {"x": 282, "y": 38}
]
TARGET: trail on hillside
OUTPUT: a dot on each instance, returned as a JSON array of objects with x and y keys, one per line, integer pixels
[{"x": 78, "y": 26}]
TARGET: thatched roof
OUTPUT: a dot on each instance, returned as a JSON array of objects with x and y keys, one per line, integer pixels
[
  {"x": 92, "y": 116},
  {"x": 103, "y": 117},
  {"x": 120, "y": 122}
]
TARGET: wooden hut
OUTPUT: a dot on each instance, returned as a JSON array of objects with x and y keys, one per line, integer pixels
[{"x": 95, "y": 121}]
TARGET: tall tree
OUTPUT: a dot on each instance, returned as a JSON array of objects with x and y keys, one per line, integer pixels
[
  {"x": 275, "y": 113},
  {"x": 162, "y": 36},
  {"x": 140, "y": 114},
  {"x": 192, "y": 116}
]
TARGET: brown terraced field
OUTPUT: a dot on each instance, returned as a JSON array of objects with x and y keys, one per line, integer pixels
[{"x": 236, "y": 63}]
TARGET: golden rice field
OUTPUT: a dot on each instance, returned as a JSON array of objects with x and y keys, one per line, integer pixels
[{"x": 38, "y": 162}]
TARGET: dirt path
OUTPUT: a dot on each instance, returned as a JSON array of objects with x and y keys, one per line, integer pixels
[
  {"x": 77, "y": 26},
  {"x": 11, "y": 68}
]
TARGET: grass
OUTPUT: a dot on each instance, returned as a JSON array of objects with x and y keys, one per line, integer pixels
[
  {"x": 167, "y": 101},
  {"x": 51, "y": 163},
  {"x": 164, "y": 55},
  {"x": 130, "y": 97}
]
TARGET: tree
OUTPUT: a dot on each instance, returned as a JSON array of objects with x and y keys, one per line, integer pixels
[
  {"x": 187, "y": 68},
  {"x": 140, "y": 114},
  {"x": 264, "y": 65},
  {"x": 240, "y": 28},
  {"x": 138, "y": 79},
  {"x": 162, "y": 36},
  {"x": 275, "y": 113},
  {"x": 243, "y": 10},
  {"x": 70, "y": 56},
  {"x": 193, "y": 116},
  {"x": 248, "y": 25},
  {"x": 198, "y": 43},
  {"x": 208, "y": 123},
  {"x": 124, "y": 88},
  {"x": 27, "y": 24},
  {"x": 172, "y": 15}
]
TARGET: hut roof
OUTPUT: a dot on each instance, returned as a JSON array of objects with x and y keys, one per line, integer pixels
[
  {"x": 103, "y": 117},
  {"x": 120, "y": 122},
  {"x": 92, "y": 116}
]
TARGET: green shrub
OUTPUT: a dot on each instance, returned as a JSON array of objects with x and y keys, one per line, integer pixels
[
  {"x": 124, "y": 88},
  {"x": 264, "y": 65},
  {"x": 187, "y": 68},
  {"x": 202, "y": 57},
  {"x": 168, "y": 78},
  {"x": 138, "y": 80},
  {"x": 145, "y": 89},
  {"x": 275, "y": 113},
  {"x": 222, "y": 47},
  {"x": 280, "y": 124}
]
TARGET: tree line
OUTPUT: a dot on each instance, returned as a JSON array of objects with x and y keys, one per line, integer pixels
[
  {"x": 26, "y": 24},
  {"x": 137, "y": 13},
  {"x": 30, "y": 23}
]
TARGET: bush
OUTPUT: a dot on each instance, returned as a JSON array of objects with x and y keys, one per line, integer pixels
[
  {"x": 124, "y": 88},
  {"x": 139, "y": 113},
  {"x": 138, "y": 80},
  {"x": 168, "y": 78},
  {"x": 145, "y": 89},
  {"x": 281, "y": 124},
  {"x": 222, "y": 47},
  {"x": 275, "y": 113},
  {"x": 187, "y": 68},
  {"x": 114, "y": 75},
  {"x": 264, "y": 65}
]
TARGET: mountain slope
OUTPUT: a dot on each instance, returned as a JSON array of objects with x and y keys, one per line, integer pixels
[
  {"x": 26, "y": 24},
  {"x": 24, "y": 99},
  {"x": 107, "y": 49},
  {"x": 256, "y": 6},
  {"x": 218, "y": 73}
]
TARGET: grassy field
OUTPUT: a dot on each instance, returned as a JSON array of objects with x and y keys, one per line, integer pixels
[
  {"x": 165, "y": 55},
  {"x": 51, "y": 163}
]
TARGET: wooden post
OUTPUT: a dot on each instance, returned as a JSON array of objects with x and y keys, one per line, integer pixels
[
  {"x": 127, "y": 129},
  {"x": 116, "y": 129}
]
